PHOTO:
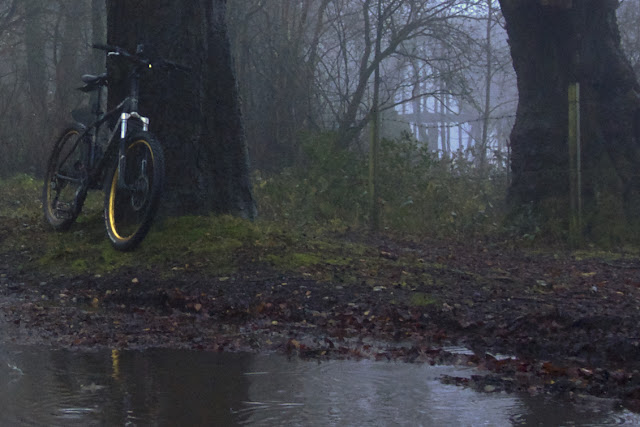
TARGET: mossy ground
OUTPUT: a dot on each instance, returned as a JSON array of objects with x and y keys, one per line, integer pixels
[{"x": 215, "y": 245}]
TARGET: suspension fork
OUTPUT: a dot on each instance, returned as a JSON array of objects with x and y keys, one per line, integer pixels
[{"x": 124, "y": 119}]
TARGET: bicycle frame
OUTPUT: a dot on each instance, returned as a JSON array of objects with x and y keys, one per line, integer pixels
[{"x": 127, "y": 109}]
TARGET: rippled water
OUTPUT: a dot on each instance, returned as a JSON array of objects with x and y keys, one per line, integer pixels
[{"x": 184, "y": 388}]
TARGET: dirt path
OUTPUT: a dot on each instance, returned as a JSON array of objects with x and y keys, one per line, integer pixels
[
  {"x": 543, "y": 321},
  {"x": 535, "y": 322}
]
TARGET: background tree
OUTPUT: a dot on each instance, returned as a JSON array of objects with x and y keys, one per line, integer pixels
[
  {"x": 43, "y": 50},
  {"x": 554, "y": 43},
  {"x": 276, "y": 52},
  {"x": 197, "y": 116},
  {"x": 404, "y": 22},
  {"x": 324, "y": 51},
  {"x": 67, "y": 57},
  {"x": 491, "y": 95},
  {"x": 35, "y": 47}
]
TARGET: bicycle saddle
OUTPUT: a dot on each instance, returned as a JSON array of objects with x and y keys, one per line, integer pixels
[{"x": 93, "y": 82}]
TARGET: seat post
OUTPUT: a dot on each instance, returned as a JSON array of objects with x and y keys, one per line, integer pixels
[{"x": 97, "y": 106}]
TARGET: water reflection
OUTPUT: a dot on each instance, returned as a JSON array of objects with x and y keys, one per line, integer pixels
[
  {"x": 156, "y": 387},
  {"x": 171, "y": 387},
  {"x": 368, "y": 393}
]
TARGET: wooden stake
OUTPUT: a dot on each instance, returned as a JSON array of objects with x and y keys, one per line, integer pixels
[
  {"x": 575, "y": 172},
  {"x": 374, "y": 207}
]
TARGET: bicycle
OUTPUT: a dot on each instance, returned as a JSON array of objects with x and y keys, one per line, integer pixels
[{"x": 130, "y": 168}]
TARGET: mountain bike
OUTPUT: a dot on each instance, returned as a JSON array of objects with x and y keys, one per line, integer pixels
[{"x": 129, "y": 165}]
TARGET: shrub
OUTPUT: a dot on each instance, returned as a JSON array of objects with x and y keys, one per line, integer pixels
[{"x": 419, "y": 191}]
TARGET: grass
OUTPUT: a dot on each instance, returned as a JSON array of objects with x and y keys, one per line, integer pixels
[
  {"x": 20, "y": 197},
  {"x": 216, "y": 245},
  {"x": 206, "y": 243}
]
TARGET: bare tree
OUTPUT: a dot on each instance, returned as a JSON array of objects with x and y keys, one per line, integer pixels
[
  {"x": 9, "y": 16},
  {"x": 276, "y": 50},
  {"x": 491, "y": 92},
  {"x": 43, "y": 50},
  {"x": 68, "y": 48},
  {"x": 313, "y": 70},
  {"x": 35, "y": 47},
  {"x": 403, "y": 21}
]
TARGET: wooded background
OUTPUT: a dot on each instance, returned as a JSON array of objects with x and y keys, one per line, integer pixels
[
  {"x": 305, "y": 73},
  {"x": 304, "y": 67}
]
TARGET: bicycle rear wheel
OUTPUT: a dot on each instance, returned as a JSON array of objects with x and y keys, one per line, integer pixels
[
  {"x": 65, "y": 182},
  {"x": 131, "y": 204}
]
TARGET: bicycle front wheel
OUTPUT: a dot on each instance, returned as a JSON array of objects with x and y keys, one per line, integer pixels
[
  {"x": 131, "y": 203},
  {"x": 65, "y": 181}
]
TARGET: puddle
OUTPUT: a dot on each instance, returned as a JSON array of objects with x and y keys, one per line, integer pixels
[{"x": 173, "y": 387}]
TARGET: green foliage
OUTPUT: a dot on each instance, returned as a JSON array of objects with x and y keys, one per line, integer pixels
[
  {"x": 424, "y": 193},
  {"x": 328, "y": 185},
  {"x": 419, "y": 192}
]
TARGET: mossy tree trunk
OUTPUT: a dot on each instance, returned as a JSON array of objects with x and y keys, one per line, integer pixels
[
  {"x": 554, "y": 43},
  {"x": 196, "y": 115}
]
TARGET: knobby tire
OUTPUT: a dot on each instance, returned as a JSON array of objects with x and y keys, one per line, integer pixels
[
  {"x": 65, "y": 182},
  {"x": 129, "y": 209}
]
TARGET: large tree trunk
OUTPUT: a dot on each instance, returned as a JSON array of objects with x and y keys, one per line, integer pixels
[
  {"x": 197, "y": 115},
  {"x": 554, "y": 43}
]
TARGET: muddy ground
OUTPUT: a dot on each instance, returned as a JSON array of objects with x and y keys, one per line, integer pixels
[{"x": 538, "y": 321}]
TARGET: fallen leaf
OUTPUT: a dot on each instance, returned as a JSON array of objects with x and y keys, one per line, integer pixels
[{"x": 388, "y": 255}]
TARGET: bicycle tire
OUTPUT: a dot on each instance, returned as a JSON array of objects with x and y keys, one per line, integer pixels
[
  {"x": 65, "y": 182},
  {"x": 129, "y": 210}
]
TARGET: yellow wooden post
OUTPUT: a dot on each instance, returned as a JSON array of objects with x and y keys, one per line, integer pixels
[{"x": 374, "y": 159}]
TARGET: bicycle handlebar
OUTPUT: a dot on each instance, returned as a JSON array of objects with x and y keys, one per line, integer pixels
[
  {"x": 171, "y": 64},
  {"x": 105, "y": 47},
  {"x": 139, "y": 59}
]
